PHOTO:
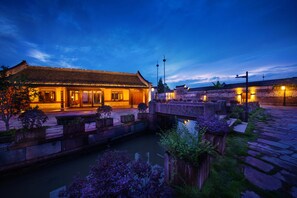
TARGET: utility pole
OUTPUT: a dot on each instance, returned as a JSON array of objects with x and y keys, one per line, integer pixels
[
  {"x": 246, "y": 93},
  {"x": 164, "y": 60},
  {"x": 157, "y": 73}
]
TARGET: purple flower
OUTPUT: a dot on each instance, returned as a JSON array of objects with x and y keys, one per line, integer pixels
[{"x": 212, "y": 124}]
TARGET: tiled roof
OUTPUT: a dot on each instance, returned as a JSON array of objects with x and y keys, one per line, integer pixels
[
  {"x": 276, "y": 82},
  {"x": 40, "y": 75}
]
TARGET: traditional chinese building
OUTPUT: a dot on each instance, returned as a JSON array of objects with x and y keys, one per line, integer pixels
[
  {"x": 267, "y": 92},
  {"x": 75, "y": 88}
]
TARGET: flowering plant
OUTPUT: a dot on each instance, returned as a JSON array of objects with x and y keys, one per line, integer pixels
[
  {"x": 212, "y": 124},
  {"x": 116, "y": 175}
]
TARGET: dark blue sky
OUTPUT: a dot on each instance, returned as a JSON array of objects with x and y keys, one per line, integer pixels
[{"x": 203, "y": 41}]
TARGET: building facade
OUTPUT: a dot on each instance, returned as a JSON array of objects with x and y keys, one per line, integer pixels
[
  {"x": 61, "y": 88},
  {"x": 268, "y": 92}
]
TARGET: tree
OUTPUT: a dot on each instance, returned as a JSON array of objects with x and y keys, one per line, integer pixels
[
  {"x": 161, "y": 86},
  {"x": 14, "y": 96},
  {"x": 219, "y": 85}
]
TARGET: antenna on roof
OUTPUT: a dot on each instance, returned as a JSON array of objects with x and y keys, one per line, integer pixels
[{"x": 263, "y": 77}]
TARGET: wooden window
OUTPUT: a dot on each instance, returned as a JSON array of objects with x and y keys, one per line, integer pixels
[
  {"x": 47, "y": 96},
  {"x": 116, "y": 95}
]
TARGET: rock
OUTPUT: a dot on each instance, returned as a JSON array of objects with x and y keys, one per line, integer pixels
[
  {"x": 259, "y": 164},
  {"x": 294, "y": 192},
  {"x": 249, "y": 194},
  {"x": 240, "y": 128},
  {"x": 261, "y": 180}
]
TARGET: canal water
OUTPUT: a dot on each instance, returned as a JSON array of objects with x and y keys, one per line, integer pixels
[{"x": 40, "y": 182}]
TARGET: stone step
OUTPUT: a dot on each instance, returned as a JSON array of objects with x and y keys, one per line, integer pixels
[
  {"x": 262, "y": 180},
  {"x": 273, "y": 143},
  {"x": 281, "y": 163},
  {"x": 258, "y": 164}
]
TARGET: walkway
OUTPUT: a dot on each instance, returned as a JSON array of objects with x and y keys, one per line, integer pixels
[{"x": 272, "y": 161}]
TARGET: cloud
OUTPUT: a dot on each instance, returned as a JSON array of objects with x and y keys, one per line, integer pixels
[
  {"x": 41, "y": 56},
  {"x": 7, "y": 27}
]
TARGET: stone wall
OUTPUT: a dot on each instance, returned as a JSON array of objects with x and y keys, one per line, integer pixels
[{"x": 11, "y": 158}]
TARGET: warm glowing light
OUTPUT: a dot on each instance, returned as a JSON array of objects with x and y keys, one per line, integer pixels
[
  {"x": 283, "y": 88},
  {"x": 153, "y": 89},
  {"x": 204, "y": 98}
]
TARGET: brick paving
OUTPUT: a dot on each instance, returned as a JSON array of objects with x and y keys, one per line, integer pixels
[{"x": 271, "y": 163}]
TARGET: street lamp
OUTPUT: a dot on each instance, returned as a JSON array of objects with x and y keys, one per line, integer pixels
[
  {"x": 246, "y": 93},
  {"x": 157, "y": 72},
  {"x": 284, "y": 89},
  {"x": 164, "y": 60}
]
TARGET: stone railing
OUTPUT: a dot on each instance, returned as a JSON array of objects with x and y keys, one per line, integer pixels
[{"x": 188, "y": 109}]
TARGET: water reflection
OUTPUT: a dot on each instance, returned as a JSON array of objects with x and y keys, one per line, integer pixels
[
  {"x": 40, "y": 182},
  {"x": 189, "y": 124}
]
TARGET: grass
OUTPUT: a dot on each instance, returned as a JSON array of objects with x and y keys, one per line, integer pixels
[{"x": 226, "y": 177}]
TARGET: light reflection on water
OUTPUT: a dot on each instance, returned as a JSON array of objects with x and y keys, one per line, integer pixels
[{"x": 189, "y": 124}]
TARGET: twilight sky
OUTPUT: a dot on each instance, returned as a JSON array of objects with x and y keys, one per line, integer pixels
[{"x": 203, "y": 40}]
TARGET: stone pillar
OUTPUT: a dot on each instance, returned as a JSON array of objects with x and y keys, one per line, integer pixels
[
  {"x": 209, "y": 109},
  {"x": 152, "y": 116},
  {"x": 221, "y": 107}
]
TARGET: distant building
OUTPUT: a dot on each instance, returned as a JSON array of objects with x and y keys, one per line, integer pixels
[
  {"x": 75, "y": 88},
  {"x": 269, "y": 92}
]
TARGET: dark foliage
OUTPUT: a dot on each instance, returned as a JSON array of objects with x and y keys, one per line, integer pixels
[
  {"x": 117, "y": 175},
  {"x": 33, "y": 118},
  {"x": 104, "y": 111},
  {"x": 15, "y": 95},
  {"x": 142, "y": 107}
]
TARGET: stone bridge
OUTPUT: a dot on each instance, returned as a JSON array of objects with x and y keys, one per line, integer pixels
[{"x": 187, "y": 109}]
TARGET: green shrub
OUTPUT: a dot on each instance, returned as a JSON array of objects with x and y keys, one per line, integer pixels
[{"x": 182, "y": 144}]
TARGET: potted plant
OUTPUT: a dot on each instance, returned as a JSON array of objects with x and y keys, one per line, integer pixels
[
  {"x": 104, "y": 119},
  {"x": 74, "y": 127},
  {"x": 142, "y": 114},
  {"x": 32, "y": 121},
  {"x": 187, "y": 157},
  {"x": 216, "y": 131}
]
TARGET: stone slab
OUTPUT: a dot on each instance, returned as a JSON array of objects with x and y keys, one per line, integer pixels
[
  {"x": 43, "y": 150},
  {"x": 259, "y": 164},
  {"x": 249, "y": 194},
  {"x": 288, "y": 177},
  {"x": 231, "y": 121},
  {"x": 55, "y": 193},
  {"x": 289, "y": 159},
  {"x": 281, "y": 163},
  {"x": 253, "y": 153},
  {"x": 240, "y": 128},
  {"x": 273, "y": 143},
  {"x": 294, "y": 155},
  {"x": 261, "y": 180},
  {"x": 294, "y": 192}
]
